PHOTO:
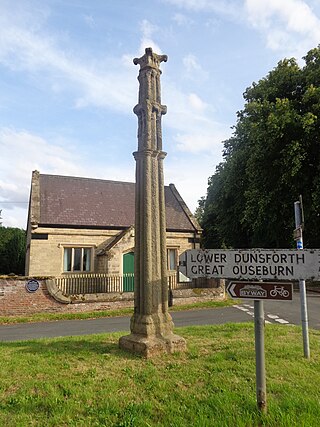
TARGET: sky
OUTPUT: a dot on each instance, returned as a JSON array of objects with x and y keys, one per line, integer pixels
[{"x": 68, "y": 84}]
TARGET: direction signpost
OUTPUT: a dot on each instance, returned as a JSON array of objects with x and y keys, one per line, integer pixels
[
  {"x": 260, "y": 290},
  {"x": 254, "y": 264},
  {"x": 256, "y": 274}
]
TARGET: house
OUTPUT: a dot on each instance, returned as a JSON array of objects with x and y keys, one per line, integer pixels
[{"x": 81, "y": 225}]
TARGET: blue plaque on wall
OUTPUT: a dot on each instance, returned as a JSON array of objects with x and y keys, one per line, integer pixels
[{"x": 32, "y": 285}]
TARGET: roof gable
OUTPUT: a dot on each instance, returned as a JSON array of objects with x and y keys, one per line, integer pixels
[{"x": 86, "y": 202}]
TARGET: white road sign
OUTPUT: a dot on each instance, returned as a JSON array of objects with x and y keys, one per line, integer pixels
[{"x": 253, "y": 264}]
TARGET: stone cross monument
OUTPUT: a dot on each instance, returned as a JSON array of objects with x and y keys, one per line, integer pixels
[{"x": 151, "y": 324}]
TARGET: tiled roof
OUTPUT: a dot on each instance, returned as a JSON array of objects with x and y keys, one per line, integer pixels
[{"x": 72, "y": 201}]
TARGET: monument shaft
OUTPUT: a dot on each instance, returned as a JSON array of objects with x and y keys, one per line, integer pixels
[{"x": 151, "y": 323}]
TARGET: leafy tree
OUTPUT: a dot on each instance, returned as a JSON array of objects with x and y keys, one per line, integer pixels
[
  {"x": 272, "y": 157},
  {"x": 12, "y": 250}
]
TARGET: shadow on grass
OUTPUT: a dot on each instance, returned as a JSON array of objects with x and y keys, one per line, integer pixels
[
  {"x": 105, "y": 344},
  {"x": 72, "y": 346}
]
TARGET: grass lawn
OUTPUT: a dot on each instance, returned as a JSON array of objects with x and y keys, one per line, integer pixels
[
  {"x": 42, "y": 317},
  {"x": 89, "y": 381}
]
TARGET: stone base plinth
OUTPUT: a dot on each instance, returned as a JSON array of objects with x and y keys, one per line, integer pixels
[{"x": 149, "y": 346}]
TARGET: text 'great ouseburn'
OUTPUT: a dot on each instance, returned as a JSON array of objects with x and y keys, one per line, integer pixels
[{"x": 275, "y": 264}]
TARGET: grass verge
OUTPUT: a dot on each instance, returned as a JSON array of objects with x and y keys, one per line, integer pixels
[
  {"x": 88, "y": 381},
  {"x": 44, "y": 317}
]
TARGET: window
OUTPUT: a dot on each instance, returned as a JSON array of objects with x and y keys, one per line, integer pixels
[
  {"x": 77, "y": 259},
  {"x": 172, "y": 265},
  {"x": 172, "y": 259}
]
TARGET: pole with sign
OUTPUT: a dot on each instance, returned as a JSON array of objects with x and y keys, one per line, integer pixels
[
  {"x": 247, "y": 269},
  {"x": 251, "y": 264},
  {"x": 260, "y": 291},
  {"x": 298, "y": 215},
  {"x": 261, "y": 388}
]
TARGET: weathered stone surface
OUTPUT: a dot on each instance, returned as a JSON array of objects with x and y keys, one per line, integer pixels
[
  {"x": 151, "y": 345},
  {"x": 151, "y": 324}
]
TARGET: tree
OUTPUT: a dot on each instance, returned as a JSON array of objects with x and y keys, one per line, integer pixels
[
  {"x": 12, "y": 250},
  {"x": 272, "y": 157}
]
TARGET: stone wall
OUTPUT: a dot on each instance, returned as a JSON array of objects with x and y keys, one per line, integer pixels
[
  {"x": 45, "y": 248},
  {"x": 191, "y": 296},
  {"x": 46, "y": 255},
  {"x": 15, "y": 300}
]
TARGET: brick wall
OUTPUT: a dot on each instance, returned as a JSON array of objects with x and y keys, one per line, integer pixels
[{"x": 15, "y": 300}]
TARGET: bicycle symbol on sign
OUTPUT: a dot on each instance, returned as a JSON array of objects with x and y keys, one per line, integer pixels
[{"x": 279, "y": 290}]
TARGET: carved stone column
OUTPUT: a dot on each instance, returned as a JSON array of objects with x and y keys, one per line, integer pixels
[{"x": 151, "y": 323}]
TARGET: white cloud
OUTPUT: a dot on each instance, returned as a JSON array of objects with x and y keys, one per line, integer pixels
[
  {"x": 191, "y": 179},
  {"x": 13, "y": 216},
  {"x": 289, "y": 26},
  {"x": 147, "y": 30},
  {"x": 91, "y": 83},
  {"x": 192, "y": 122},
  {"x": 196, "y": 102},
  {"x": 30, "y": 152},
  {"x": 182, "y": 20},
  {"x": 147, "y": 42},
  {"x": 89, "y": 20},
  {"x": 23, "y": 152},
  {"x": 191, "y": 4},
  {"x": 194, "y": 143},
  {"x": 224, "y": 7},
  {"x": 191, "y": 63},
  {"x": 193, "y": 69},
  {"x": 26, "y": 45},
  {"x": 31, "y": 49}
]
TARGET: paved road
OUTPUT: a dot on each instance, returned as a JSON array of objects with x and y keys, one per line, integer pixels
[
  {"x": 288, "y": 312},
  {"x": 275, "y": 312}
]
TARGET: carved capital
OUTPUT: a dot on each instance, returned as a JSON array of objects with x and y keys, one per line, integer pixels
[
  {"x": 160, "y": 109},
  {"x": 161, "y": 155},
  {"x": 150, "y": 59},
  {"x": 149, "y": 153}
]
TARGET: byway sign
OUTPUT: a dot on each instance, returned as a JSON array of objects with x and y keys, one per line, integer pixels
[
  {"x": 260, "y": 290},
  {"x": 254, "y": 264}
]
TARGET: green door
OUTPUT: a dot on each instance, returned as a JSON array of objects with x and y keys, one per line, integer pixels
[{"x": 128, "y": 272}]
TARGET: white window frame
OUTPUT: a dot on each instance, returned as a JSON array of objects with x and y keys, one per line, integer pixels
[
  {"x": 169, "y": 258},
  {"x": 73, "y": 247}
]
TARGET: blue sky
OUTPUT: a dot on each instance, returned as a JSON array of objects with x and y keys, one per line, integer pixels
[{"x": 68, "y": 83}]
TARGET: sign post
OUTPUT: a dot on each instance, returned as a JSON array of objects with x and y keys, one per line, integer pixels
[
  {"x": 261, "y": 389},
  {"x": 254, "y": 264},
  {"x": 247, "y": 269},
  {"x": 260, "y": 291},
  {"x": 298, "y": 215}
]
